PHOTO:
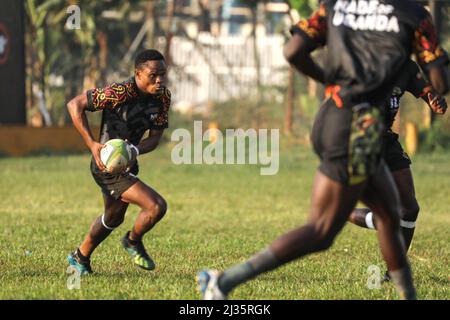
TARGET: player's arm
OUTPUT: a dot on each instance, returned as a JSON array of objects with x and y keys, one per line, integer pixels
[
  {"x": 307, "y": 36},
  {"x": 430, "y": 55},
  {"x": 297, "y": 54},
  {"x": 97, "y": 99},
  {"x": 419, "y": 87},
  {"x": 436, "y": 102},
  {"x": 156, "y": 131},
  {"x": 77, "y": 109},
  {"x": 439, "y": 79},
  {"x": 146, "y": 145},
  {"x": 151, "y": 142}
]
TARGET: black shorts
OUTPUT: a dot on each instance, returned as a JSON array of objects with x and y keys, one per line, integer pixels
[
  {"x": 348, "y": 141},
  {"x": 114, "y": 184},
  {"x": 394, "y": 155}
]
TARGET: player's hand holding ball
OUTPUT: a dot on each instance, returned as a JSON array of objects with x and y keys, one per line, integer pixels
[
  {"x": 134, "y": 153},
  {"x": 117, "y": 155},
  {"x": 95, "y": 150}
]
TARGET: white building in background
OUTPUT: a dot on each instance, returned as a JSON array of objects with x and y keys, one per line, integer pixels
[
  {"x": 212, "y": 51},
  {"x": 217, "y": 69},
  {"x": 220, "y": 65}
]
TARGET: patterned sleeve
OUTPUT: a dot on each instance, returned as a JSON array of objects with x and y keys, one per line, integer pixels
[
  {"x": 162, "y": 121},
  {"x": 426, "y": 46},
  {"x": 111, "y": 96},
  {"x": 314, "y": 29}
]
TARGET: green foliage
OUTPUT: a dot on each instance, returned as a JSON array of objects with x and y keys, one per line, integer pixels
[
  {"x": 52, "y": 49},
  {"x": 434, "y": 138},
  {"x": 304, "y": 7}
]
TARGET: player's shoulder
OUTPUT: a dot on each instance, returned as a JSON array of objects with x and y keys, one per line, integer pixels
[
  {"x": 413, "y": 6},
  {"x": 412, "y": 9},
  {"x": 167, "y": 92},
  {"x": 128, "y": 85},
  {"x": 165, "y": 95},
  {"x": 124, "y": 91}
]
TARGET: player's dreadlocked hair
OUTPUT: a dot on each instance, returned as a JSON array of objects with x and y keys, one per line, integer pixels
[{"x": 147, "y": 55}]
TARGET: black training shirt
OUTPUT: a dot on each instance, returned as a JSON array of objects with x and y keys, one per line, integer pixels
[{"x": 127, "y": 112}]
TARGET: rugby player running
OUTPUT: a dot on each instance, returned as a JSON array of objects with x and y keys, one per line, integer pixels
[{"x": 129, "y": 109}]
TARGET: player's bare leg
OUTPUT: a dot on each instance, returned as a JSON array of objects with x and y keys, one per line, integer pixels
[
  {"x": 100, "y": 229},
  {"x": 383, "y": 199},
  {"x": 364, "y": 217},
  {"x": 153, "y": 208},
  {"x": 410, "y": 207},
  {"x": 332, "y": 203}
]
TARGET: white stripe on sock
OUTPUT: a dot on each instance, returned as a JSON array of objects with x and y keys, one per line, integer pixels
[
  {"x": 407, "y": 224},
  {"x": 369, "y": 220},
  {"x": 104, "y": 224}
]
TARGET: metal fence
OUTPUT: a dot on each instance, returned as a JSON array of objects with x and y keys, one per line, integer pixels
[{"x": 217, "y": 69}]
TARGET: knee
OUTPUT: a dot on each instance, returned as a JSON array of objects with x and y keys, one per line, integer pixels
[
  {"x": 112, "y": 220},
  {"x": 410, "y": 212},
  {"x": 161, "y": 207},
  {"x": 158, "y": 208}
]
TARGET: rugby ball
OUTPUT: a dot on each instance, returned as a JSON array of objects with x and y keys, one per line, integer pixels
[{"x": 116, "y": 155}]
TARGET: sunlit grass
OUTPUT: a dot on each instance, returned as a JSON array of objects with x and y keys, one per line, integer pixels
[{"x": 218, "y": 215}]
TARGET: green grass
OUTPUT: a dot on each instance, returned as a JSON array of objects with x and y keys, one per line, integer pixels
[{"x": 218, "y": 215}]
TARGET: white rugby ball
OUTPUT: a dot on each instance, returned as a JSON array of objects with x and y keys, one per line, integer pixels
[{"x": 116, "y": 155}]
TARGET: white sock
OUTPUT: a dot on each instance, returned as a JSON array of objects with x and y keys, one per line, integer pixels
[{"x": 369, "y": 220}]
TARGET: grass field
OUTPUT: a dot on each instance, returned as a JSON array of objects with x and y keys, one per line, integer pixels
[{"x": 218, "y": 215}]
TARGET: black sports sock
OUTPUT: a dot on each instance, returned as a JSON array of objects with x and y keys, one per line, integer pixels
[
  {"x": 407, "y": 234},
  {"x": 263, "y": 261},
  {"x": 81, "y": 256},
  {"x": 132, "y": 242},
  {"x": 403, "y": 281}
]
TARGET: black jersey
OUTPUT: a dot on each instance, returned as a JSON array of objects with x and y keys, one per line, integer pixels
[
  {"x": 127, "y": 112},
  {"x": 368, "y": 43},
  {"x": 410, "y": 79}
]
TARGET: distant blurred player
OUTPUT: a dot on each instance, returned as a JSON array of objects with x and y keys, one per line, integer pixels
[
  {"x": 368, "y": 42},
  {"x": 129, "y": 109},
  {"x": 397, "y": 160}
]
